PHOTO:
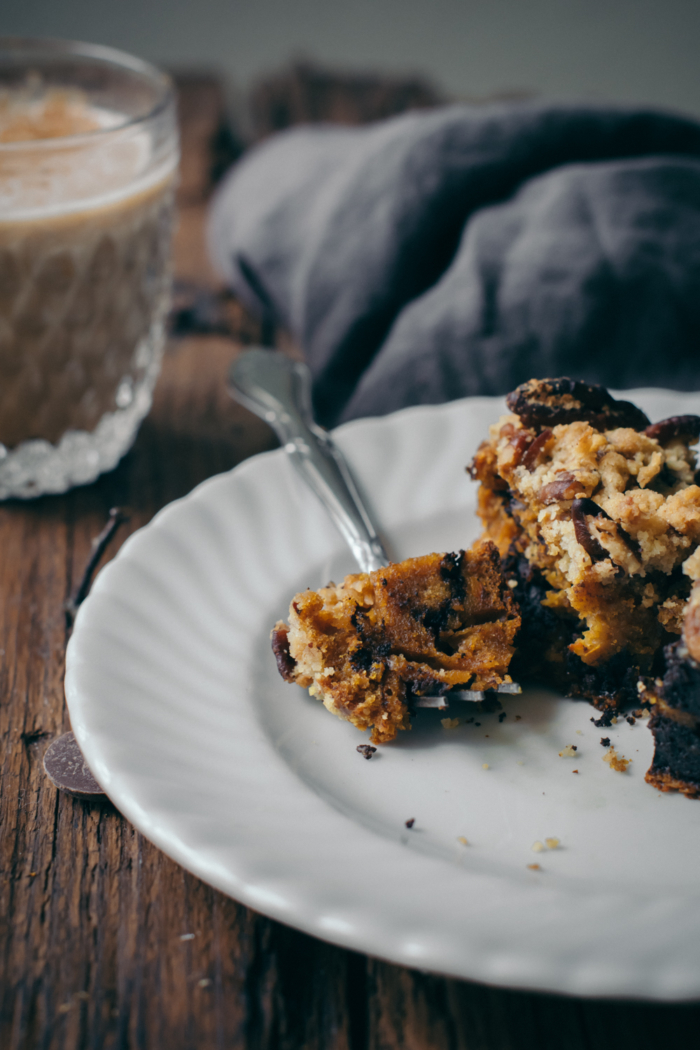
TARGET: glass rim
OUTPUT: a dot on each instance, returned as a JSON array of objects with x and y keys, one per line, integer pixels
[{"x": 100, "y": 54}]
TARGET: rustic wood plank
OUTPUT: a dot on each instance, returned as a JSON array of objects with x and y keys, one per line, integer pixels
[{"x": 92, "y": 915}]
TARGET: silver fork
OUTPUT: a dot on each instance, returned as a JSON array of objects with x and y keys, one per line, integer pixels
[{"x": 278, "y": 390}]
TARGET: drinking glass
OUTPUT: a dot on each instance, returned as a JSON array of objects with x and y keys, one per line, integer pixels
[{"x": 88, "y": 162}]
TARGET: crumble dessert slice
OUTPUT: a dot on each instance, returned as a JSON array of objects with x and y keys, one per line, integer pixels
[
  {"x": 421, "y": 627},
  {"x": 675, "y": 720},
  {"x": 597, "y": 517}
]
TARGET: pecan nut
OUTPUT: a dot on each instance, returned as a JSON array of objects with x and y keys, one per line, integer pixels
[
  {"x": 564, "y": 486},
  {"x": 286, "y": 664},
  {"x": 691, "y": 631},
  {"x": 547, "y": 402},
  {"x": 532, "y": 452},
  {"x": 686, "y": 428},
  {"x": 579, "y": 509}
]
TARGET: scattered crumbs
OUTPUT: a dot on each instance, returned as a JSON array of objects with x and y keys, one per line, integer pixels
[
  {"x": 450, "y": 723},
  {"x": 579, "y": 733},
  {"x": 64, "y": 1008},
  {"x": 631, "y": 720},
  {"x": 477, "y": 723},
  {"x": 605, "y": 741},
  {"x": 644, "y": 713},
  {"x": 366, "y": 750},
  {"x": 485, "y": 765},
  {"x": 569, "y": 751},
  {"x": 186, "y": 936},
  {"x": 204, "y": 982},
  {"x": 461, "y": 838},
  {"x": 534, "y": 867},
  {"x": 574, "y": 770},
  {"x": 512, "y": 584},
  {"x": 552, "y": 843},
  {"x": 614, "y": 720},
  {"x": 411, "y": 822},
  {"x": 486, "y": 736},
  {"x": 615, "y": 761},
  {"x": 502, "y": 716},
  {"x": 537, "y": 847},
  {"x": 518, "y": 717}
]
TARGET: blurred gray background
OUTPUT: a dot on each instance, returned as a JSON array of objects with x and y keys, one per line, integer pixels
[{"x": 642, "y": 51}]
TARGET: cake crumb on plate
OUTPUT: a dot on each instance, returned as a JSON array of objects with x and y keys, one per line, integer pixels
[{"x": 615, "y": 761}]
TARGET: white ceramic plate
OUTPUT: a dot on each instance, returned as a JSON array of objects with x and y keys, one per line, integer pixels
[{"x": 252, "y": 785}]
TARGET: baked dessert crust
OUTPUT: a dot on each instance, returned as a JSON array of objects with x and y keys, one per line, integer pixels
[
  {"x": 421, "y": 627},
  {"x": 596, "y": 510}
]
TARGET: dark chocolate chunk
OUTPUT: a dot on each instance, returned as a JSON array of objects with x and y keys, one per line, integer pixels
[
  {"x": 280, "y": 647},
  {"x": 411, "y": 822},
  {"x": 547, "y": 402},
  {"x": 366, "y": 750},
  {"x": 687, "y": 428},
  {"x": 631, "y": 720},
  {"x": 452, "y": 572},
  {"x": 66, "y": 768},
  {"x": 605, "y": 741}
]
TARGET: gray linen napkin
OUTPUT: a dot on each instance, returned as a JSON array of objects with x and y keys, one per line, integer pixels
[{"x": 466, "y": 249}]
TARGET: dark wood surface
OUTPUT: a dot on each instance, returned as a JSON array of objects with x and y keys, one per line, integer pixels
[{"x": 92, "y": 916}]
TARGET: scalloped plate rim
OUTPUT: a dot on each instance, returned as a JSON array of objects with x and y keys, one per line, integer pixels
[{"x": 519, "y": 970}]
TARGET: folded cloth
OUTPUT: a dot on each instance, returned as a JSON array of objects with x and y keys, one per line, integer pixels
[{"x": 466, "y": 249}]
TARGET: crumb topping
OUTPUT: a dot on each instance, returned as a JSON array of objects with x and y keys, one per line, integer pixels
[
  {"x": 569, "y": 751},
  {"x": 610, "y": 515},
  {"x": 616, "y": 761}
]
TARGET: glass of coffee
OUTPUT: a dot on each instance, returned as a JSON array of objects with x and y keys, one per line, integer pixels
[{"x": 88, "y": 161}]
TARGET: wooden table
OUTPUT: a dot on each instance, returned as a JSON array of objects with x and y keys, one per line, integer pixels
[{"x": 92, "y": 915}]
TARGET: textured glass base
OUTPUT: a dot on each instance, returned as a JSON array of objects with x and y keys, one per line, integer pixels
[{"x": 37, "y": 468}]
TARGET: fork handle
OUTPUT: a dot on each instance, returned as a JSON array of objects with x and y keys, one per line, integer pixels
[{"x": 279, "y": 391}]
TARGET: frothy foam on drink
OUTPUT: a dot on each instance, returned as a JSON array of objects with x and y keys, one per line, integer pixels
[
  {"x": 45, "y": 171},
  {"x": 30, "y": 113}
]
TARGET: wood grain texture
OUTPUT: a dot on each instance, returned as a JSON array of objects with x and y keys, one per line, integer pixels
[{"x": 96, "y": 925}]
